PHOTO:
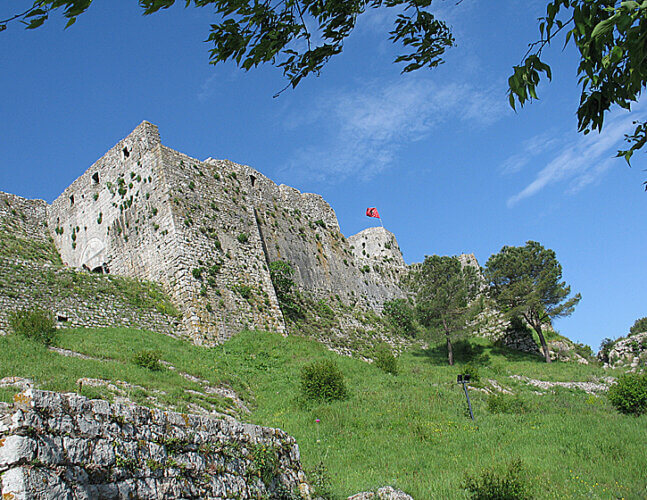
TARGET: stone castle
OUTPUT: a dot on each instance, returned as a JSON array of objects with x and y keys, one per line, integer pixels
[{"x": 207, "y": 231}]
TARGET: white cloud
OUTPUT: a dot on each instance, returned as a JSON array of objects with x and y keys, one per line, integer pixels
[
  {"x": 532, "y": 147},
  {"x": 366, "y": 127},
  {"x": 581, "y": 161}
]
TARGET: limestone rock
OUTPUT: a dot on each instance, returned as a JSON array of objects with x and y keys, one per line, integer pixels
[
  {"x": 66, "y": 446},
  {"x": 384, "y": 493}
]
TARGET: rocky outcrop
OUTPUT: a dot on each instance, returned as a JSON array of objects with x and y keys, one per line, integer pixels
[
  {"x": 64, "y": 446},
  {"x": 630, "y": 352},
  {"x": 385, "y": 493}
]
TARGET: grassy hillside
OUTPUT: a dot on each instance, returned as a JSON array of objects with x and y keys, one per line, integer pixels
[{"x": 410, "y": 430}]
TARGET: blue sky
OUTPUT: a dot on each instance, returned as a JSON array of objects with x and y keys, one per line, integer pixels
[{"x": 449, "y": 165}]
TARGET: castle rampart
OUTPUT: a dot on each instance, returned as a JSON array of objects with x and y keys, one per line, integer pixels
[{"x": 207, "y": 232}]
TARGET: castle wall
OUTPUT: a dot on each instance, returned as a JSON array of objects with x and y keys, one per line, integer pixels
[
  {"x": 207, "y": 232},
  {"x": 303, "y": 230},
  {"x": 116, "y": 216},
  {"x": 24, "y": 217},
  {"x": 222, "y": 278}
]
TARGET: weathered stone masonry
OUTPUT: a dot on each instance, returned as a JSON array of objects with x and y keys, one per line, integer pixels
[
  {"x": 207, "y": 231},
  {"x": 64, "y": 446}
]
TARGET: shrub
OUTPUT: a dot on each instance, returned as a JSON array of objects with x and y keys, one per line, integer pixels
[
  {"x": 629, "y": 394},
  {"x": 324, "y": 310},
  {"x": 35, "y": 324},
  {"x": 511, "y": 483},
  {"x": 605, "y": 346},
  {"x": 505, "y": 403},
  {"x": 148, "y": 359},
  {"x": 320, "y": 479},
  {"x": 385, "y": 360},
  {"x": 584, "y": 350},
  {"x": 472, "y": 370},
  {"x": 242, "y": 238},
  {"x": 639, "y": 326},
  {"x": 400, "y": 314},
  {"x": 266, "y": 462},
  {"x": 281, "y": 274},
  {"x": 323, "y": 381},
  {"x": 245, "y": 291}
]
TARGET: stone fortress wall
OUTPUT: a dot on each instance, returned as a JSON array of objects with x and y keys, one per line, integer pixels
[{"x": 207, "y": 231}]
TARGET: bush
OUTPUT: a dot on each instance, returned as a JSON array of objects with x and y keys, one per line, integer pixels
[
  {"x": 245, "y": 291},
  {"x": 400, "y": 314},
  {"x": 242, "y": 238},
  {"x": 629, "y": 394},
  {"x": 472, "y": 370},
  {"x": 281, "y": 274},
  {"x": 320, "y": 479},
  {"x": 584, "y": 350},
  {"x": 35, "y": 324},
  {"x": 512, "y": 483},
  {"x": 385, "y": 360},
  {"x": 605, "y": 347},
  {"x": 323, "y": 381},
  {"x": 266, "y": 462},
  {"x": 505, "y": 403},
  {"x": 148, "y": 359}
]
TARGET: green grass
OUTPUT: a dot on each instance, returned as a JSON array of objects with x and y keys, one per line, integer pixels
[
  {"x": 409, "y": 431},
  {"x": 15, "y": 247}
]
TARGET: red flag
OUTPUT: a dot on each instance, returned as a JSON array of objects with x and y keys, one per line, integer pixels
[{"x": 372, "y": 212}]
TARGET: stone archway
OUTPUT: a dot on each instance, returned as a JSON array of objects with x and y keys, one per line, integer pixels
[{"x": 93, "y": 255}]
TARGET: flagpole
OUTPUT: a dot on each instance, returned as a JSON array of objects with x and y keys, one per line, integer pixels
[{"x": 381, "y": 222}]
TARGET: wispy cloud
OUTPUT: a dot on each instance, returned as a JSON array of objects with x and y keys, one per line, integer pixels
[
  {"x": 367, "y": 126},
  {"x": 578, "y": 162},
  {"x": 213, "y": 83},
  {"x": 530, "y": 148}
]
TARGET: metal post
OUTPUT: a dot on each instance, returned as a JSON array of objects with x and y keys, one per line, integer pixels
[
  {"x": 464, "y": 379},
  {"x": 469, "y": 405}
]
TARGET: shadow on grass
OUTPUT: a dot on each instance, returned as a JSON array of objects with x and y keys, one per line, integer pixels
[
  {"x": 464, "y": 352},
  {"x": 467, "y": 352}
]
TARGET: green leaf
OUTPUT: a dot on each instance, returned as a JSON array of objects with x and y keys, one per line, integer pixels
[{"x": 603, "y": 27}]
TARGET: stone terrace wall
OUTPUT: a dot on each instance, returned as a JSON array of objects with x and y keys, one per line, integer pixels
[
  {"x": 77, "y": 299},
  {"x": 66, "y": 446},
  {"x": 24, "y": 217}
]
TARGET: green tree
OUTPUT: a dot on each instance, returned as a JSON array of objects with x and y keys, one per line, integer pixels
[
  {"x": 610, "y": 38},
  {"x": 401, "y": 316},
  {"x": 639, "y": 326},
  {"x": 298, "y": 36},
  {"x": 527, "y": 282},
  {"x": 445, "y": 297}
]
